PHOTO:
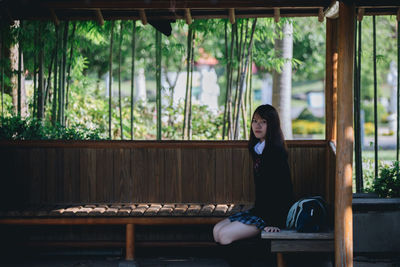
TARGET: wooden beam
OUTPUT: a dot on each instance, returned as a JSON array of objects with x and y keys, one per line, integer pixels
[
  {"x": 331, "y": 62},
  {"x": 99, "y": 17},
  {"x": 143, "y": 17},
  {"x": 232, "y": 15},
  {"x": 321, "y": 15},
  {"x": 54, "y": 17},
  {"x": 277, "y": 14},
  {"x": 188, "y": 16},
  {"x": 360, "y": 14},
  {"x": 345, "y": 137},
  {"x": 181, "y": 4}
]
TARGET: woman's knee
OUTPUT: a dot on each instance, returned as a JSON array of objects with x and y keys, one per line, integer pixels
[
  {"x": 216, "y": 233},
  {"x": 224, "y": 237}
]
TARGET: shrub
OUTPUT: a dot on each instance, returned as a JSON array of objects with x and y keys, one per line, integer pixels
[
  {"x": 17, "y": 128},
  {"x": 303, "y": 127},
  {"x": 369, "y": 128},
  {"x": 387, "y": 184}
]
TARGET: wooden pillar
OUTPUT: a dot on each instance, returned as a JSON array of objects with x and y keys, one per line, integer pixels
[
  {"x": 331, "y": 60},
  {"x": 130, "y": 242},
  {"x": 344, "y": 156},
  {"x": 331, "y": 79}
]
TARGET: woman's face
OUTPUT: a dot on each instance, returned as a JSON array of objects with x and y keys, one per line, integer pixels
[{"x": 259, "y": 126}]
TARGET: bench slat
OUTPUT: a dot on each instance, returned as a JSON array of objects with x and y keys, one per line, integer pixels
[
  {"x": 302, "y": 245},
  {"x": 293, "y": 234}
]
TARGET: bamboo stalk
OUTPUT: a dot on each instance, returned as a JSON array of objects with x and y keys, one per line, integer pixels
[
  {"x": 71, "y": 53},
  {"x": 158, "y": 79},
  {"x": 35, "y": 45},
  {"x": 119, "y": 79},
  {"x": 188, "y": 62},
  {"x": 19, "y": 68},
  {"x": 242, "y": 78},
  {"x": 62, "y": 73},
  {"x": 110, "y": 81},
  {"x": 40, "y": 103},
  {"x": 191, "y": 87},
  {"x": 54, "y": 104},
  {"x": 50, "y": 70},
  {"x": 398, "y": 89},
  {"x": 2, "y": 67},
  {"x": 133, "y": 75},
  {"x": 227, "y": 80}
]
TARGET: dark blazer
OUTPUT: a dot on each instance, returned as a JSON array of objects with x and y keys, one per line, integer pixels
[{"x": 273, "y": 186}]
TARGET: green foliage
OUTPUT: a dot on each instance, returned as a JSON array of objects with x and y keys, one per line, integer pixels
[
  {"x": 368, "y": 107},
  {"x": 16, "y": 128},
  {"x": 387, "y": 184},
  {"x": 304, "y": 127},
  {"x": 369, "y": 128}
]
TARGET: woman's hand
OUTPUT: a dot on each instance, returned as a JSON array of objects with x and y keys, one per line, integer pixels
[{"x": 272, "y": 229}]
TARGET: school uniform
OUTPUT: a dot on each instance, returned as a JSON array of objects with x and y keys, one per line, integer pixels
[{"x": 273, "y": 189}]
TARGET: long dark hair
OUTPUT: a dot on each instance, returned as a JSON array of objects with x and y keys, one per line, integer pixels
[{"x": 274, "y": 136}]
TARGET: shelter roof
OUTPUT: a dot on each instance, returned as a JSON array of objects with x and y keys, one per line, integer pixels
[{"x": 174, "y": 9}]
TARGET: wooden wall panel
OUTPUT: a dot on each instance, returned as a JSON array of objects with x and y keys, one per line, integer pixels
[
  {"x": 240, "y": 175},
  {"x": 205, "y": 178},
  {"x": 60, "y": 175},
  {"x": 207, "y": 174},
  {"x": 140, "y": 187},
  {"x": 71, "y": 175},
  {"x": 122, "y": 175},
  {"x": 87, "y": 163},
  {"x": 51, "y": 175},
  {"x": 155, "y": 179},
  {"x": 36, "y": 181},
  {"x": 224, "y": 175},
  {"x": 189, "y": 167},
  {"x": 173, "y": 175}
]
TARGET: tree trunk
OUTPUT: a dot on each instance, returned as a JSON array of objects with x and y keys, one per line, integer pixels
[
  {"x": 17, "y": 79},
  {"x": 282, "y": 82}
]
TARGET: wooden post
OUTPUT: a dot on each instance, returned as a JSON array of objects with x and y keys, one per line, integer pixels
[
  {"x": 280, "y": 260},
  {"x": 130, "y": 242},
  {"x": 343, "y": 185},
  {"x": 330, "y": 102},
  {"x": 331, "y": 79}
]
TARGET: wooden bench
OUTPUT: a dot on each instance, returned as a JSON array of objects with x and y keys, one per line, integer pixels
[
  {"x": 289, "y": 241},
  {"x": 127, "y": 214},
  {"x": 142, "y": 182}
]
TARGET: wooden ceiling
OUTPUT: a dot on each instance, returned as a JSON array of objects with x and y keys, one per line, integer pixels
[{"x": 175, "y": 9}]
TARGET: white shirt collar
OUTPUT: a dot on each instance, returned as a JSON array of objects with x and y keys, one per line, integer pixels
[{"x": 259, "y": 147}]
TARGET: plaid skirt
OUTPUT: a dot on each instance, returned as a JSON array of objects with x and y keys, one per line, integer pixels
[{"x": 247, "y": 218}]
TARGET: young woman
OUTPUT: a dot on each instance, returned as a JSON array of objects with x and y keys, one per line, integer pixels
[{"x": 273, "y": 186}]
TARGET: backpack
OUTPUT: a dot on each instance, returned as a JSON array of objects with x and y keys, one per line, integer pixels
[{"x": 308, "y": 215}]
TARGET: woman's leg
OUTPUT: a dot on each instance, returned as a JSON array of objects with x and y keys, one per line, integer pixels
[
  {"x": 236, "y": 231},
  {"x": 218, "y": 227}
]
